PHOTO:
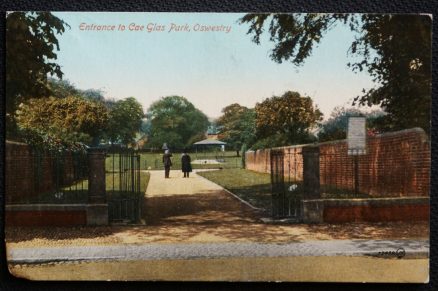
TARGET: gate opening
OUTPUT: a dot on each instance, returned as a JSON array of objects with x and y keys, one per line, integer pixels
[
  {"x": 287, "y": 183},
  {"x": 124, "y": 196}
]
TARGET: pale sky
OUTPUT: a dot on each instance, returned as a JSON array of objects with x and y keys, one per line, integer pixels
[{"x": 211, "y": 69}]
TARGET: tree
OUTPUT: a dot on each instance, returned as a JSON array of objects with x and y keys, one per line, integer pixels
[
  {"x": 288, "y": 119},
  {"x": 125, "y": 120},
  {"x": 394, "y": 49},
  {"x": 62, "y": 88},
  {"x": 30, "y": 45},
  {"x": 402, "y": 70},
  {"x": 335, "y": 128},
  {"x": 69, "y": 119},
  {"x": 237, "y": 126},
  {"x": 175, "y": 121},
  {"x": 213, "y": 127},
  {"x": 93, "y": 94}
]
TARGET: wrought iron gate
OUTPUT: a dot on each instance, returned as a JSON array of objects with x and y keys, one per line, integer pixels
[
  {"x": 123, "y": 186},
  {"x": 286, "y": 184}
]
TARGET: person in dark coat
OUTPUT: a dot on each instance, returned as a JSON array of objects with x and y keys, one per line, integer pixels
[
  {"x": 167, "y": 161},
  {"x": 186, "y": 165}
]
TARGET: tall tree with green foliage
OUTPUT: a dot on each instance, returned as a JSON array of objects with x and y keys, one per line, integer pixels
[
  {"x": 30, "y": 53},
  {"x": 125, "y": 120},
  {"x": 237, "y": 126},
  {"x": 394, "y": 49},
  {"x": 70, "y": 119},
  {"x": 286, "y": 120},
  {"x": 175, "y": 121},
  {"x": 62, "y": 88}
]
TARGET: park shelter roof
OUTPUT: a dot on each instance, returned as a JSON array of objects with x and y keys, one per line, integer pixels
[{"x": 209, "y": 141}]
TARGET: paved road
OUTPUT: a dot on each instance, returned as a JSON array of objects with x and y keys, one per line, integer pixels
[{"x": 408, "y": 248}]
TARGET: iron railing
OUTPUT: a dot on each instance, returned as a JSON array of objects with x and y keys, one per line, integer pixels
[{"x": 45, "y": 177}]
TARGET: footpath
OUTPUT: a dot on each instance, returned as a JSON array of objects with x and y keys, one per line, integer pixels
[{"x": 376, "y": 248}]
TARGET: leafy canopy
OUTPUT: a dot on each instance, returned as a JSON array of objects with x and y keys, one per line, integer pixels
[
  {"x": 125, "y": 120},
  {"x": 237, "y": 126},
  {"x": 175, "y": 121},
  {"x": 394, "y": 49},
  {"x": 287, "y": 119},
  {"x": 30, "y": 53},
  {"x": 69, "y": 119}
]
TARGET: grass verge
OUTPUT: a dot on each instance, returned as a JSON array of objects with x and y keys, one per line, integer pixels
[
  {"x": 256, "y": 188},
  {"x": 250, "y": 186}
]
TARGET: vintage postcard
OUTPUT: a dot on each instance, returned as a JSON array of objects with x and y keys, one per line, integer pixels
[{"x": 218, "y": 146}]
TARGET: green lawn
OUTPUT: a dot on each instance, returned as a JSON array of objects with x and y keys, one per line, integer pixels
[
  {"x": 77, "y": 193},
  {"x": 255, "y": 187},
  {"x": 153, "y": 161},
  {"x": 250, "y": 186}
]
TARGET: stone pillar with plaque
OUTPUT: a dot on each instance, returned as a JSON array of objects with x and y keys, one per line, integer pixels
[{"x": 356, "y": 139}]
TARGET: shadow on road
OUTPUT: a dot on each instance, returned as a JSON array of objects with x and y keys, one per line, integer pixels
[{"x": 207, "y": 207}]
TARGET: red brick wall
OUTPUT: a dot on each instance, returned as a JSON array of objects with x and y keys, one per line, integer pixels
[
  {"x": 16, "y": 169},
  {"x": 26, "y": 175},
  {"x": 361, "y": 213},
  {"x": 46, "y": 218},
  {"x": 260, "y": 161},
  {"x": 396, "y": 164}
]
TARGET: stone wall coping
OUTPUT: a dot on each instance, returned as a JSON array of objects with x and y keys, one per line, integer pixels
[
  {"x": 371, "y": 201},
  {"x": 16, "y": 143},
  {"x": 381, "y": 135},
  {"x": 409, "y": 130}
]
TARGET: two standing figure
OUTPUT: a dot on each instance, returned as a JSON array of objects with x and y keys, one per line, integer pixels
[{"x": 186, "y": 163}]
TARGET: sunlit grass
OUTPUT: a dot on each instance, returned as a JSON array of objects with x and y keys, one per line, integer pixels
[
  {"x": 250, "y": 186},
  {"x": 256, "y": 188},
  {"x": 154, "y": 161},
  {"x": 77, "y": 193}
]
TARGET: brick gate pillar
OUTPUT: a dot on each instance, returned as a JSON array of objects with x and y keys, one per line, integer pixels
[
  {"x": 97, "y": 208},
  {"x": 96, "y": 176},
  {"x": 311, "y": 172},
  {"x": 312, "y": 208}
]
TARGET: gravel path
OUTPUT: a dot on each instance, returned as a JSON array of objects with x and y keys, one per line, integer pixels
[
  {"x": 192, "y": 201},
  {"x": 178, "y": 185},
  {"x": 406, "y": 248}
]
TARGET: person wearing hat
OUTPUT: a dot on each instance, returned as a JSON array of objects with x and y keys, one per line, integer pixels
[
  {"x": 186, "y": 165},
  {"x": 167, "y": 161}
]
